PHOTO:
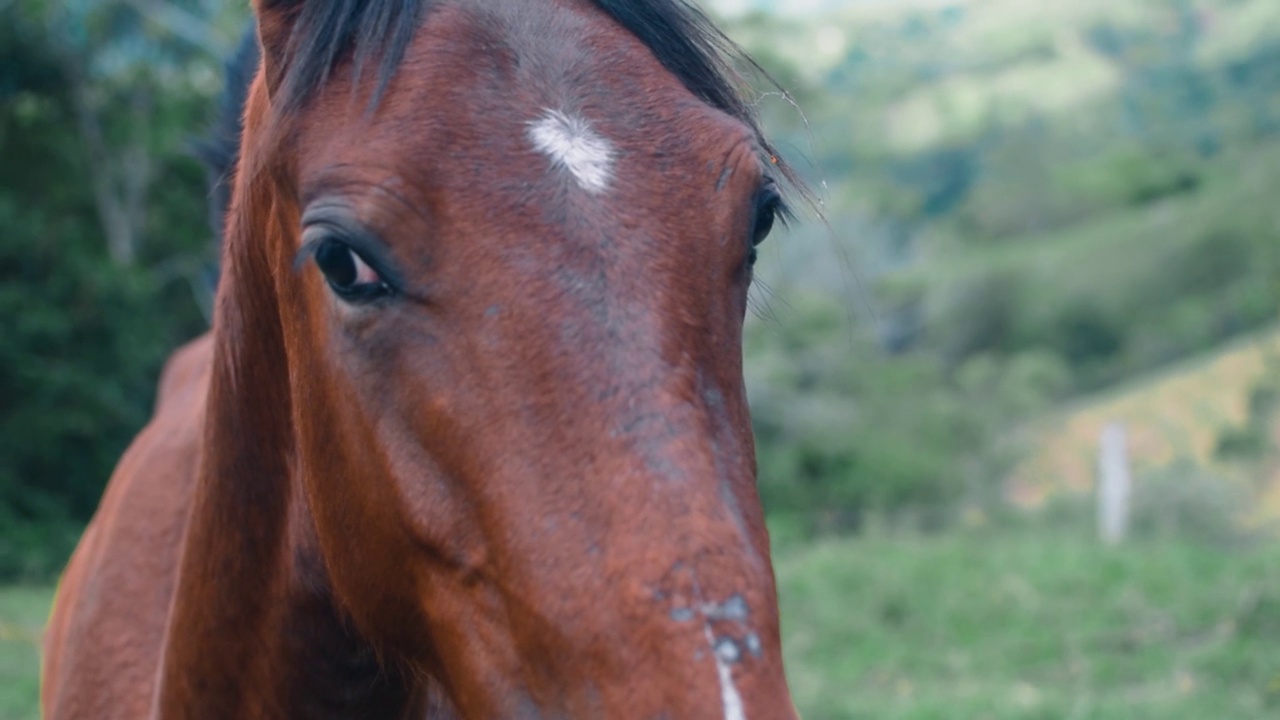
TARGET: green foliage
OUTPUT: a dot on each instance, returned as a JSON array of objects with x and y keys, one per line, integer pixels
[
  {"x": 84, "y": 334},
  {"x": 845, "y": 433},
  {"x": 1092, "y": 184},
  {"x": 1183, "y": 501},
  {"x": 1133, "y": 176},
  {"x": 1252, "y": 442},
  {"x": 76, "y": 369}
]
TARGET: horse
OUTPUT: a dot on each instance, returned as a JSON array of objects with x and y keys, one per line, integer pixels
[{"x": 469, "y": 436}]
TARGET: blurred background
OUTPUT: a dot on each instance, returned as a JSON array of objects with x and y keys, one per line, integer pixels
[{"x": 1039, "y": 225}]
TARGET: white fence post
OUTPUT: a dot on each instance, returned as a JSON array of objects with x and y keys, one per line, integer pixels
[{"x": 1114, "y": 484}]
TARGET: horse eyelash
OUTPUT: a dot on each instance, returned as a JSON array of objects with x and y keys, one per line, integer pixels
[
  {"x": 777, "y": 201},
  {"x": 307, "y": 252}
]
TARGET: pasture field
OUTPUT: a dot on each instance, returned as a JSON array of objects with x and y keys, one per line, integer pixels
[
  {"x": 1030, "y": 624},
  {"x": 995, "y": 623}
]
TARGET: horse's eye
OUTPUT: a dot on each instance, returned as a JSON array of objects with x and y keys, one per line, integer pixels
[
  {"x": 764, "y": 224},
  {"x": 768, "y": 205},
  {"x": 347, "y": 273}
]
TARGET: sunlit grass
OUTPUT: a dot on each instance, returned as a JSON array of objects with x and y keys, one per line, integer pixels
[{"x": 1180, "y": 411}]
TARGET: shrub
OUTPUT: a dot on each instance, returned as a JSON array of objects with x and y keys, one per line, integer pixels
[
  {"x": 1184, "y": 501},
  {"x": 845, "y": 433},
  {"x": 84, "y": 336}
]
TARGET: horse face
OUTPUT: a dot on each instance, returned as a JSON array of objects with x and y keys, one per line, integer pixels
[{"x": 514, "y": 313}]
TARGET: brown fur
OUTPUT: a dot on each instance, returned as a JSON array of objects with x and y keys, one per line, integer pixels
[{"x": 499, "y": 494}]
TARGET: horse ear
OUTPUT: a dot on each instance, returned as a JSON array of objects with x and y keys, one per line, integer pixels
[{"x": 276, "y": 20}]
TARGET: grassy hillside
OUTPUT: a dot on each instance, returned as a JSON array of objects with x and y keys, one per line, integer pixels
[
  {"x": 1030, "y": 204},
  {"x": 1179, "y": 412},
  {"x": 1005, "y": 624},
  {"x": 1108, "y": 163}
]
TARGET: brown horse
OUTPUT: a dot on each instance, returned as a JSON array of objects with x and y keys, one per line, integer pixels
[{"x": 469, "y": 437}]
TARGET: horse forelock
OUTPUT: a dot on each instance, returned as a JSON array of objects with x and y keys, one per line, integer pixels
[{"x": 378, "y": 32}]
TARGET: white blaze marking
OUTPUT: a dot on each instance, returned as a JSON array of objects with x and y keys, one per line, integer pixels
[
  {"x": 574, "y": 146},
  {"x": 729, "y": 696},
  {"x": 729, "y": 693}
]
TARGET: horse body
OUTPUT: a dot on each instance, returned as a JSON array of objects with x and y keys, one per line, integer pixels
[
  {"x": 470, "y": 437},
  {"x": 115, "y": 594}
]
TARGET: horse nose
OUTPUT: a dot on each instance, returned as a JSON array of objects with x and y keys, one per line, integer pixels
[{"x": 696, "y": 637}]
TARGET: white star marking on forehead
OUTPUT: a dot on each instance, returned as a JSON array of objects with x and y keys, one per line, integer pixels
[{"x": 573, "y": 145}]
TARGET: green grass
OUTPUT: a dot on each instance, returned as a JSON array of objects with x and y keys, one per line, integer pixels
[
  {"x": 998, "y": 624},
  {"x": 1020, "y": 625},
  {"x": 23, "y": 611}
]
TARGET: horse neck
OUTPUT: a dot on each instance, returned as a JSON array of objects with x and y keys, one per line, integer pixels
[{"x": 254, "y": 631}]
